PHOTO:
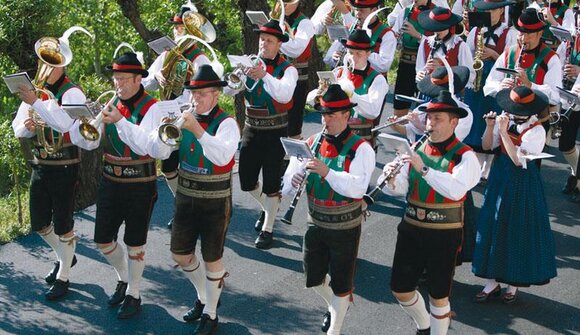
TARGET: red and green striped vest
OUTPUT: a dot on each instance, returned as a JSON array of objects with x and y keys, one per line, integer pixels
[
  {"x": 419, "y": 189},
  {"x": 378, "y": 30},
  {"x": 113, "y": 144},
  {"x": 411, "y": 15},
  {"x": 536, "y": 68},
  {"x": 317, "y": 188},
  {"x": 452, "y": 55},
  {"x": 307, "y": 53},
  {"x": 362, "y": 83},
  {"x": 66, "y": 85},
  {"x": 260, "y": 98},
  {"x": 191, "y": 151}
]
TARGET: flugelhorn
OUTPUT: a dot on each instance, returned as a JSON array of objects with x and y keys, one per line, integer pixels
[
  {"x": 237, "y": 78},
  {"x": 89, "y": 130},
  {"x": 170, "y": 131}
]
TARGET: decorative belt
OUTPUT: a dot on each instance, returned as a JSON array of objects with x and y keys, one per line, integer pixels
[
  {"x": 408, "y": 56},
  {"x": 67, "y": 155},
  {"x": 205, "y": 186},
  {"x": 362, "y": 129},
  {"x": 335, "y": 217},
  {"x": 302, "y": 69},
  {"x": 434, "y": 216},
  {"x": 259, "y": 118},
  {"x": 130, "y": 171}
]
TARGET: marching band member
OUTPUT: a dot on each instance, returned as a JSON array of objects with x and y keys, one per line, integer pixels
[
  {"x": 155, "y": 80},
  {"x": 515, "y": 244},
  {"x": 267, "y": 108},
  {"x": 55, "y": 175},
  {"x": 444, "y": 43},
  {"x": 325, "y": 15},
  {"x": 495, "y": 40},
  {"x": 204, "y": 194},
  {"x": 128, "y": 191},
  {"x": 339, "y": 177},
  {"x": 407, "y": 24},
  {"x": 299, "y": 50},
  {"x": 555, "y": 13},
  {"x": 435, "y": 179}
]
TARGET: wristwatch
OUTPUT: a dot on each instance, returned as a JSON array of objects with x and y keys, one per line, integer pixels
[{"x": 424, "y": 170}]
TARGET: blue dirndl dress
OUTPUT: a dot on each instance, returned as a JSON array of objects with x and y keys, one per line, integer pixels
[{"x": 514, "y": 241}]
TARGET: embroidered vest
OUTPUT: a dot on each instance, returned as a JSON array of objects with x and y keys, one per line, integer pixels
[
  {"x": 536, "y": 68},
  {"x": 452, "y": 55},
  {"x": 260, "y": 98}
]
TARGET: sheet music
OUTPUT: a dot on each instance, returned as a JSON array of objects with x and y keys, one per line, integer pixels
[
  {"x": 397, "y": 144},
  {"x": 327, "y": 75},
  {"x": 541, "y": 155},
  {"x": 296, "y": 148},
  {"x": 337, "y": 32},
  {"x": 161, "y": 44},
  {"x": 243, "y": 60},
  {"x": 168, "y": 107},
  {"x": 13, "y": 81},
  {"x": 78, "y": 111},
  {"x": 257, "y": 17}
]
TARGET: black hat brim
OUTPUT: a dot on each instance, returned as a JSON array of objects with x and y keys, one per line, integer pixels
[
  {"x": 328, "y": 110},
  {"x": 344, "y": 41},
  {"x": 282, "y": 37},
  {"x": 460, "y": 74},
  {"x": 460, "y": 112},
  {"x": 435, "y": 26},
  {"x": 539, "y": 104},
  {"x": 220, "y": 83},
  {"x": 525, "y": 30},
  {"x": 489, "y": 5},
  {"x": 142, "y": 72}
]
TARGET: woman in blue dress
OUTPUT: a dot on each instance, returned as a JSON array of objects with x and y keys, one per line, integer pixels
[{"x": 514, "y": 243}]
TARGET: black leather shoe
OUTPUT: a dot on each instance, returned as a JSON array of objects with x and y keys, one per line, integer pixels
[
  {"x": 58, "y": 290},
  {"x": 194, "y": 313},
  {"x": 170, "y": 224},
  {"x": 119, "y": 295},
  {"x": 423, "y": 331},
  {"x": 129, "y": 308},
  {"x": 570, "y": 185},
  {"x": 260, "y": 222},
  {"x": 51, "y": 276},
  {"x": 575, "y": 198},
  {"x": 483, "y": 297},
  {"x": 325, "y": 322},
  {"x": 264, "y": 240},
  {"x": 207, "y": 326}
]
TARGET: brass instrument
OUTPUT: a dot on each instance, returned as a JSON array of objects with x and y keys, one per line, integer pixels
[
  {"x": 345, "y": 84},
  {"x": 89, "y": 130},
  {"x": 279, "y": 14},
  {"x": 477, "y": 62},
  {"x": 397, "y": 120},
  {"x": 237, "y": 78},
  {"x": 466, "y": 8},
  {"x": 170, "y": 131},
  {"x": 321, "y": 90}
]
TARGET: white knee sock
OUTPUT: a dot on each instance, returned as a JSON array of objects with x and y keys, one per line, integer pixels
[
  {"x": 258, "y": 195},
  {"x": 572, "y": 159},
  {"x": 490, "y": 285},
  {"x": 67, "y": 252},
  {"x": 511, "y": 289},
  {"x": 195, "y": 272},
  {"x": 172, "y": 183},
  {"x": 324, "y": 290},
  {"x": 416, "y": 309},
  {"x": 338, "y": 308},
  {"x": 136, "y": 260},
  {"x": 271, "y": 205},
  {"x": 439, "y": 326},
  {"x": 52, "y": 240},
  {"x": 116, "y": 257},
  {"x": 214, "y": 285}
]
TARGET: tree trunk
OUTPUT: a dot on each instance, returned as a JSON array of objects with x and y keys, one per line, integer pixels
[
  {"x": 89, "y": 177},
  {"x": 130, "y": 9}
]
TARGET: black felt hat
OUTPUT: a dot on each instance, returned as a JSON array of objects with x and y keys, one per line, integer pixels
[
  {"x": 204, "y": 77},
  {"x": 178, "y": 18},
  {"x": 358, "y": 39},
  {"x": 530, "y": 21},
  {"x": 438, "y": 19},
  {"x": 272, "y": 27},
  {"x": 491, "y": 4},
  {"x": 444, "y": 103},
  {"x": 334, "y": 100},
  {"x": 365, "y": 3},
  {"x": 128, "y": 63},
  {"x": 438, "y": 81},
  {"x": 522, "y": 100}
]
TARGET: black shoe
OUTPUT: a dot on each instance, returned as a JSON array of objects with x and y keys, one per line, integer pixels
[
  {"x": 325, "y": 322},
  {"x": 58, "y": 290},
  {"x": 170, "y": 224},
  {"x": 576, "y": 198},
  {"x": 260, "y": 222},
  {"x": 264, "y": 240},
  {"x": 570, "y": 185},
  {"x": 119, "y": 294},
  {"x": 51, "y": 276},
  {"x": 129, "y": 308},
  {"x": 194, "y": 313},
  {"x": 423, "y": 331},
  {"x": 207, "y": 326}
]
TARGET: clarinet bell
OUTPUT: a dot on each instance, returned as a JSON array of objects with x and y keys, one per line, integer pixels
[{"x": 287, "y": 219}]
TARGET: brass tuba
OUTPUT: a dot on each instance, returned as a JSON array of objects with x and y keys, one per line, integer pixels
[{"x": 477, "y": 62}]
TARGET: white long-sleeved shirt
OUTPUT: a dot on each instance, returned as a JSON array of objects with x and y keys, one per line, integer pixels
[
  {"x": 352, "y": 184},
  {"x": 568, "y": 21},
  {"x": 50, "y": 112},
  {"x": 320, "y": 15},
  {"x": 461, "y": 131},
  {"x": 398, "y": 10},
  {"x": 552, "y": 78},
  {"x": 219, "y": 148},
  {"x": 464, "y": 56},
  {"x": 511, "y": 38},
  {"x": 463, "y": 177},
  {"x": 302, "y": 36}
]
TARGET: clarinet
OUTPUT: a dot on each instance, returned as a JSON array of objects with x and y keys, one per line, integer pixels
[
  {"x": 287, "y": 219},
  {"x": 370, "y": 198}
]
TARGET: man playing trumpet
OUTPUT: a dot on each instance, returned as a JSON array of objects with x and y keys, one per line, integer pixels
[{"x": 204, "y": 195}]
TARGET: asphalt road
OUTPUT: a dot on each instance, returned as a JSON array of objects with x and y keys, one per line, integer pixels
[{"x": 265, "y": 292}]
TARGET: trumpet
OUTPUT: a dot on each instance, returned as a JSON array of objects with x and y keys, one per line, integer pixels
[
  {"x": 237, "y": 78},
  {"x": 170, "y": 131},
  {"x": 89, "y": 130}
]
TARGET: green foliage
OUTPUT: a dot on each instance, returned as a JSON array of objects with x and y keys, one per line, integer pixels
[
  {"x": 10, "y": 227},
  {"x": 13, "y": 169}
]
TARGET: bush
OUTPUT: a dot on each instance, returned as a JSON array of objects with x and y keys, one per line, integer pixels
[{"x": 10, "y": 226}]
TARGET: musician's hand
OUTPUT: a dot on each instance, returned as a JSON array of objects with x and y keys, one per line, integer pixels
[
  {"x": 27, "y": 95},
  {"x": 256, "y": 72},
  {"x": 297, "y": 179},
  {"x": 523, "y": 78},
  {"x": 503, "y": 121},
  {"x": 431, "y": 65},
  {"x": 490, "y": 118},
  {"x": 571, "y": 71},
  {"x": 111, "y": 114},
  {"x": 507, "y": 83},
  {"x": 576, "y": 89},
  {"x": 410, "y": 29},
  {"x": 414, "y": 118},
  {"x": 548, "y": 17},
  {"x": 328, "y": 19},
  {"x": 420, "y": 75},
  {"x": 160, "y": 78},
  {"x": 315, "y": 165},
  {"x": 415, "y": 161},
  {"x": 189, "y": 121},
  {"x": 29, "y": 124},
  {"x": 489, "y": 53},
  {"x": 337, "y": 55}
]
